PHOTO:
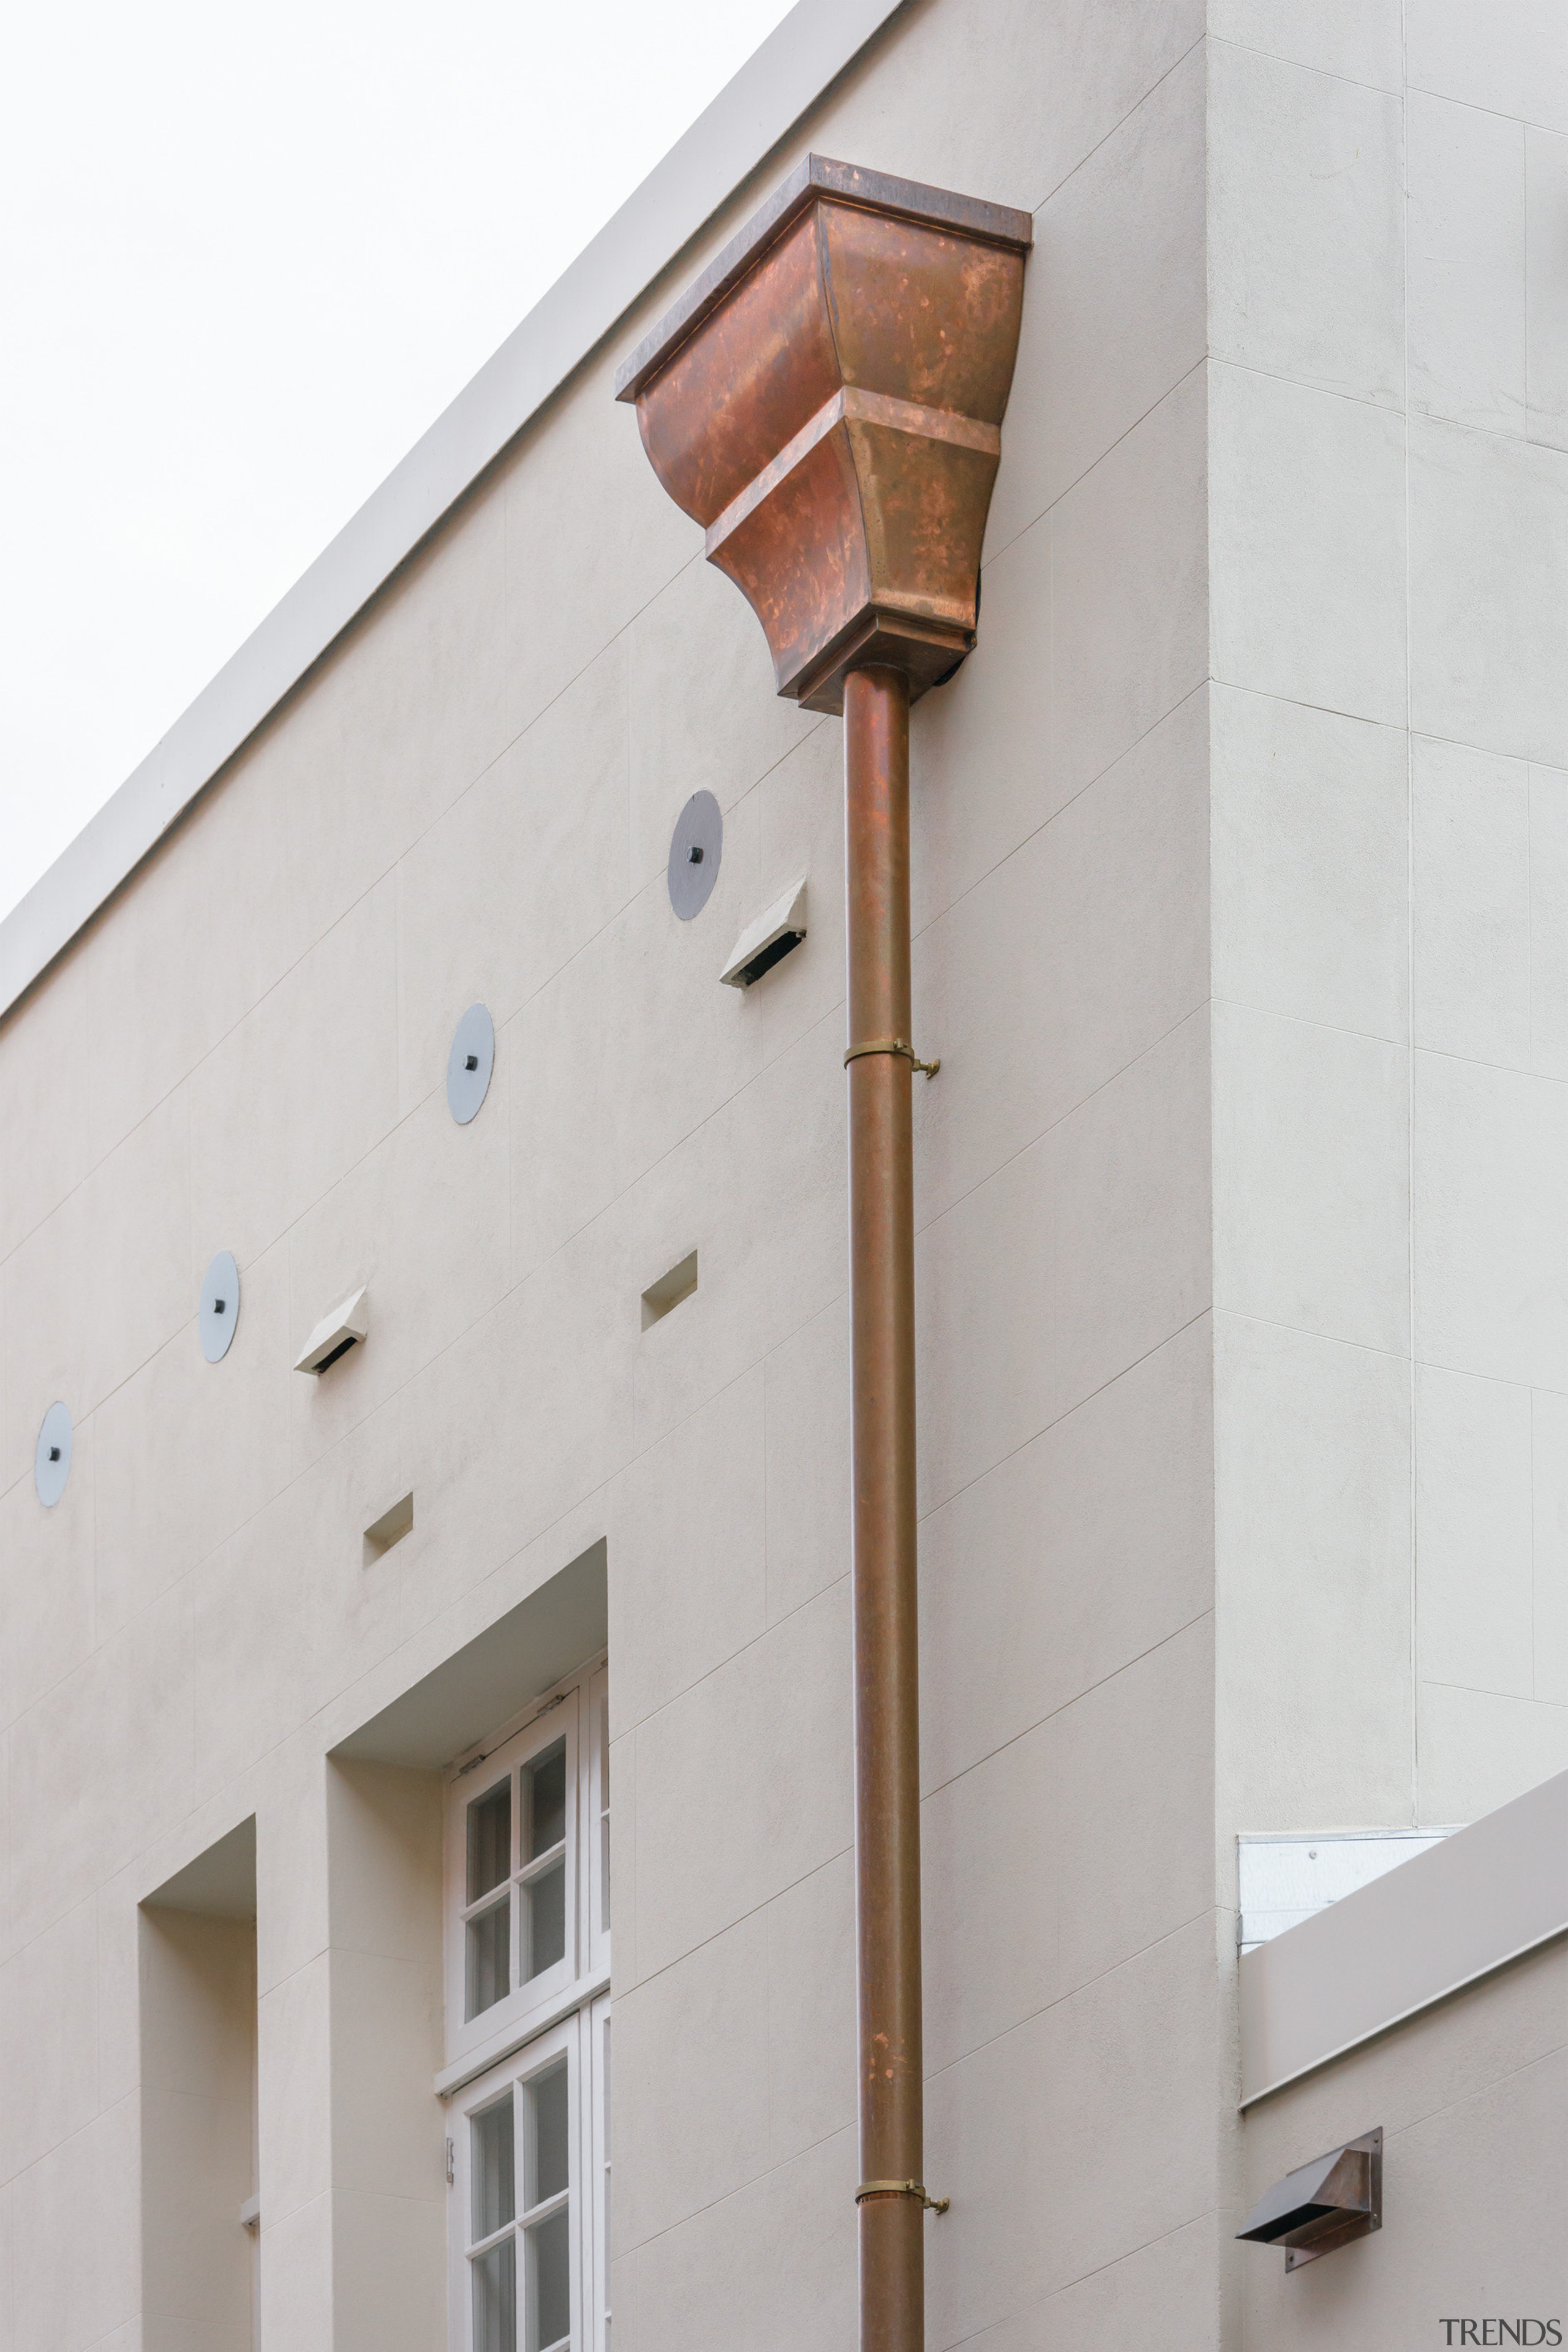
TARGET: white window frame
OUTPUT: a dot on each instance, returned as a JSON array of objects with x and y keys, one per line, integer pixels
[
  {"x": 596, "y": 1845},
  {"x": 576, "y": 1711},
  {"x": 566, "y": 2009},
  {"x": 596, "y": 2156},
  {"x": 570, "y": 2040}
]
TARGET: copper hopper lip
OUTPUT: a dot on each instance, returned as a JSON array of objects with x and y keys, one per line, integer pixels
[
  {"x": 818, "y": 176},
  {"x": 826, "y": 400}
]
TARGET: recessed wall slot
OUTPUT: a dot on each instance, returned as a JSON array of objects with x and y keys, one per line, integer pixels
[
  {"x": 390, "y": 1528},
  {"x": 669, "y": 1290},
  {"x": 336, "y": 1333},
  {"x": 767, "y": 942}
]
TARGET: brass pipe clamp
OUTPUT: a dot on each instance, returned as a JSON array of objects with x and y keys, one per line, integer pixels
[
  {"x": 902, "y": 2189},
  {"x": 892, "y": 1046}
]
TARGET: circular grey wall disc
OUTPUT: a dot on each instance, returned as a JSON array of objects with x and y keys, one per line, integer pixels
[
  {"x": 470, "y": 1063},
  {"x": 218, "y": 1315},
  {"x": 52, "y": 1462},
  {"x": 695, "y": 848}
]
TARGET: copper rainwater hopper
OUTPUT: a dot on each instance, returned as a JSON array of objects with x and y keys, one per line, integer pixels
[{"x": 827, "y": 401}]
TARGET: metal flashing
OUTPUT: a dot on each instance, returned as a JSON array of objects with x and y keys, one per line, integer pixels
[
  {"x": 1281, "y": 1880},
  {"x": 1473, "y": 1903},
  {"x": 800, "y": 58}
]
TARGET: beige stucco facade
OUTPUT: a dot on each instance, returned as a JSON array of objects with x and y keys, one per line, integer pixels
[{"x": 1240, "y": 873}]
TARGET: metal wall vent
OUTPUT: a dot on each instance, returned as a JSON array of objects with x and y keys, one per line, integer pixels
[
  {"x": 52, "y": 1458},
  {"x": 669, "y": 1290},
  {"x": 470, "y": 1063},
  {"x": 336, "y": 1333},
  {"x": 1330, "y": 2202},
  {"x": 217, "y": 1317},
  {"x": 697, "y": 846},
  {"x": 768, "y": 940}
]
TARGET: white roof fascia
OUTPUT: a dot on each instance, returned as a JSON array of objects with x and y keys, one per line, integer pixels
[
  {"x": 1472, "y": 1903},
  {"x": 751, "y": 114}
]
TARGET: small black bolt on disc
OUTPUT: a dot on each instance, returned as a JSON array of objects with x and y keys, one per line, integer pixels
[
  {"x": 697, "y": 846},
  {"x": 470, "y": 1063},
  {"x": 218, "y": 1314},
  {"x": 52, "y": 1458}
]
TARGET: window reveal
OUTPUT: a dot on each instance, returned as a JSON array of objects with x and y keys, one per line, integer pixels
[{"x": 527, "y": 1967}]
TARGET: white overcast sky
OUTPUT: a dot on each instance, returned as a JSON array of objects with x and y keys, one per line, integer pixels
[{"x": 247, "y": 253}]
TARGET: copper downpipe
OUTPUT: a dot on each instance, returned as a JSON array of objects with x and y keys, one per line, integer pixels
[
  {"x": 886, "y": 1665},
  {"x": 827, "y": 401}
]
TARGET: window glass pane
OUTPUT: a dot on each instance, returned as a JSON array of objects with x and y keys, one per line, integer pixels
[
  {"x": 489, "y": 1957},
  {"x": 550, "y": 2281},
  {"x": 496, "y": 2298},
  {"x": 547, "y": 2157},
  {"x": 489, "y": 1839},
  {"x": 544, "y": 1917},
  {"x": 495, "y": 2185},
  {"x": 545, "y": 1797}
]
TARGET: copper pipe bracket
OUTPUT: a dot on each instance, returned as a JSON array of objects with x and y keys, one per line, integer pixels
[
  {"x": 902, "y": 2189},
  {"x": 893, "y": 1046}
]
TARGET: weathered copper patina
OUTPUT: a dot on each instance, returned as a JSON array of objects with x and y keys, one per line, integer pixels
[{"x": 827, "y": 402}]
